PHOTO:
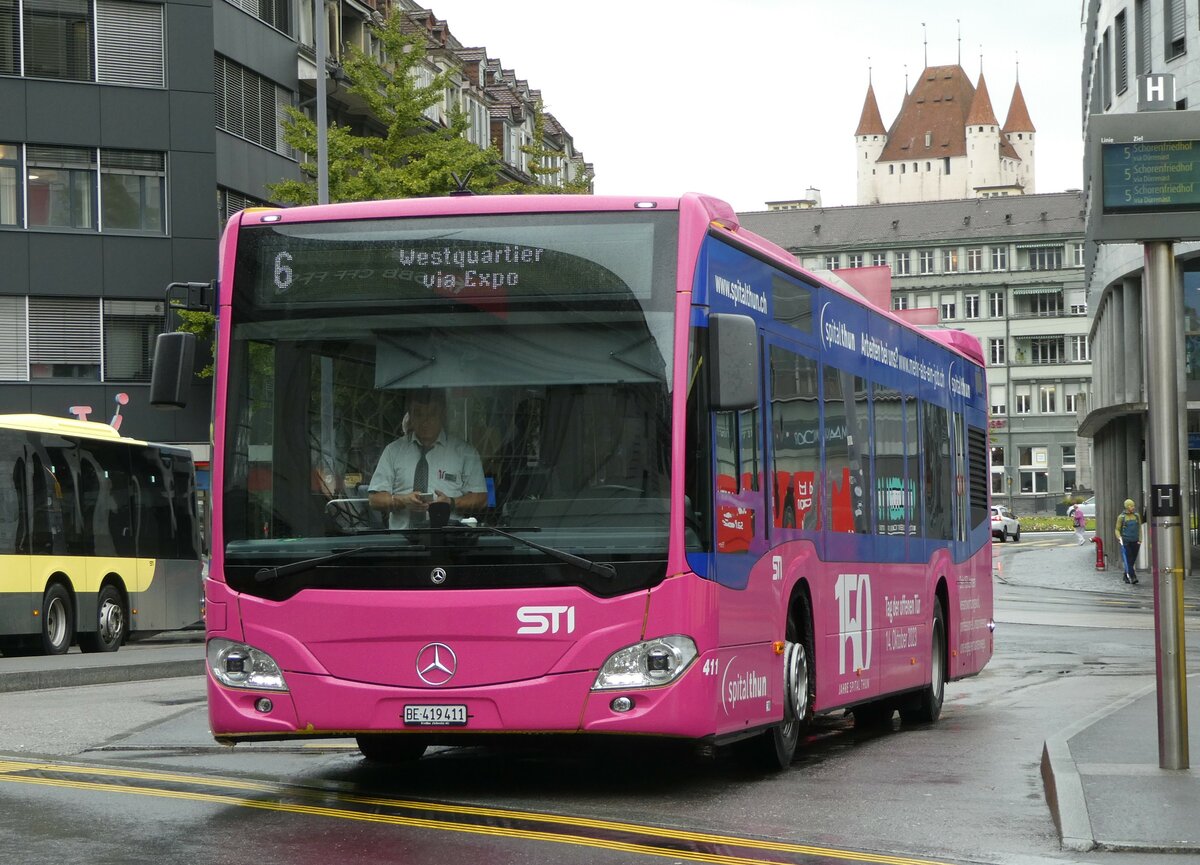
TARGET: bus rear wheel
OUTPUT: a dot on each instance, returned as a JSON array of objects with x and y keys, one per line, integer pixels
[
  {"x": 389, "y": 748},
  {"x": 110, "y": 623},
  {"x": 58, "y": 620},
  {"x": 927, "y": 706}
]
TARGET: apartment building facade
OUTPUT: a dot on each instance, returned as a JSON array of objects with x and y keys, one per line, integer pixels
[
  {"x": 122, "y": 120},
  {"x": 1124, "y": 39},
  {"x": 1007, "y": 270}
]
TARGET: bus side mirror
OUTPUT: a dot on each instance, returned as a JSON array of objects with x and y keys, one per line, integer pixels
[
  {"x": 171, "y": 378},
  {"x": 733, "y": 352}
]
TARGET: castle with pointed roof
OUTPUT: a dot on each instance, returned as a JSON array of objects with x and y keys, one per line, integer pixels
[{"x": 945, "y": 143}]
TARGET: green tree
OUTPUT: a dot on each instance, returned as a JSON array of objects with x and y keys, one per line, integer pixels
[
  {"x": 545, "y": 166},
  {"x": 204, "y": 326},
  {"x": 409, "y": 156}
]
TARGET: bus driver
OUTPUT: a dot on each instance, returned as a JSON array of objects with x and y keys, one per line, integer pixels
[{"x": 427, "y": 465}]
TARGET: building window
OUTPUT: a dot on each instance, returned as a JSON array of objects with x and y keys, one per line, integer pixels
[
  {"x": 112, "y": 41},
  {"x": 1023, "y": 401},
  {"x": 996, "y": 304},
  {"x": 949, "y": 307},
  {"x": 1034, "y": 469},
  {"x": 903, "y": 264},
  {"x": 14, "y": 350},
  {"x": 1121, "y": 59},
  {"x": 1105, "y": 63},
  {"x": 64, "y": 338},
  {"x": 61, "y": 187},
  {"x": 855, "y": 259},
  {"x": 58, "y": 39},
  {"x": 1071, "y": 404},
  {"x": 950, "y": 261},
  {"x": 832, "y": 262},
  {"x": 66, "y": 187},
  {"x": 1045, "y": 304},
  {"x": 925, "y": 260},
  {"x": 249, "y": 105},
  {"x": 132, "y": 191},
  {"x": 974, "y": 260},
  {"x": 971, "y": 305},
  {"x": 1141, "y": 27},
  {"x": 273, "y": 12},
  {"x": 1046, "y": 258},
  {"x": 1174, "y": 28},
  {"x": 1078, "y": 254},
  {"x": 878, "y": 259},
  {"x": 130, "y": 329},
  {"x": 900, "y": 301},
  {"x": 997, "y": 352},
  {"x": 10, "y": 185},
  {"x": 1079, "y": 348},
  {"x": 1079, "y": 309},
  {"x": 1046, "y": 349},
  {"x": 999, "y": 258},
  {"x": 999, "y": 405},
  {"x": 1048, "y": 399},
  {"x": 230, "y": 202}
]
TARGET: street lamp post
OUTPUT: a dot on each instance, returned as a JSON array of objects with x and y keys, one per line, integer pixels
[{"x": 322, "y": 110}]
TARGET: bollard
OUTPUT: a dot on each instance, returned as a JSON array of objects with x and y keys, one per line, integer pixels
[{"x": 1099, "y": 542}]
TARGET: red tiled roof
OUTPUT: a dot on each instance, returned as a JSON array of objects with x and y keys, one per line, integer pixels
[
  {"x": 870, "y": 123},
  {"x": 1018, "y": 115},
  {"x": 938, "y": 107},
  {"x": 981, "y": 113}
]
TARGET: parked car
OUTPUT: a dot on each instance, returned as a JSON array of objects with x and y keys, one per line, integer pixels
[
  {"x": 1005, "y": 524},
  {"x": 1088, "y": 507}
]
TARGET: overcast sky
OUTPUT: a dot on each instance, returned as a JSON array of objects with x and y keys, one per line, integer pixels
[{"x": 757, "y": 100}]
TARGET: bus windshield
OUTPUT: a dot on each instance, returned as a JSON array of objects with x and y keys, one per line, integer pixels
[{"x": 548, "y": 338}]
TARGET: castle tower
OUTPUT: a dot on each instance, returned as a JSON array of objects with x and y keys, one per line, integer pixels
[
  {"x": 1018, "y": 130},
  {"x": 983, "y": 143},
  {"x": 871, "y": 136}
]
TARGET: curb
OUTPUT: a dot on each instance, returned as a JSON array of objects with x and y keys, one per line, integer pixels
[{"x": 36, "y": 680}]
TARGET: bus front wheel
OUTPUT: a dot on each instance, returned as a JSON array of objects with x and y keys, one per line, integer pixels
[
  {"x": 58, "y": 620},
  {"x": 777, "y": 746},
  {"x": 110, "y": 623}
]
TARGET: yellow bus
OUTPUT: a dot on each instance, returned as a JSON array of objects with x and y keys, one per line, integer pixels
[{"x": 99, "y": 538}]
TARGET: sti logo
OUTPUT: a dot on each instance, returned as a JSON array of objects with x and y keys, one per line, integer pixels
[{"x": 539, "y": 620}]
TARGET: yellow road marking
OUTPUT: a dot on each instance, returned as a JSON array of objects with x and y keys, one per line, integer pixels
[{"x": 16, "y": 772}]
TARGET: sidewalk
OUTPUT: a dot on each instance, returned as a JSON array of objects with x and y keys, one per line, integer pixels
[
  {"x": 1104, "y": 787},
  {"x": 163, "y": 656}
]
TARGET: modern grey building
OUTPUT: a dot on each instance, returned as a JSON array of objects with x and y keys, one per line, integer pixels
[
  {"x": 1124, "y": 39},
  {"x": 122, "y": 120},
  {"x": 1008, "y": 270}
]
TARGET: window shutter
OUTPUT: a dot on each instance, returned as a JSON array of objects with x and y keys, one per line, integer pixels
[
  {"x": 1176, "y": 20},
  {"x": 1122, "y": 72},
  {"x": 14, "y": 355},
  {"x": 130, "y": 330},
  {"x": 10, "y": 31},
  {"x": 129, "y": 43},
  {"x": 64, "y": 330}
]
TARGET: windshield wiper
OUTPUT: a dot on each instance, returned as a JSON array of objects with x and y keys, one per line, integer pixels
[
  {"x": 600, "y": 568},
  {"x": 262, "y": 575}
]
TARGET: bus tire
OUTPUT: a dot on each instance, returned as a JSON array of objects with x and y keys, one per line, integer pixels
[
  {"x": 927, "y": 706},
  {"x": 777, "y": 746},
  {"x": 390, "y": 748},
  {"x": 111, "y": 627},
  {"x": 58, "y": 620}
]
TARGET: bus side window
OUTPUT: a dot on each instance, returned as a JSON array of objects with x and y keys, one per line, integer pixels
[{"x": 795, "y": 439}]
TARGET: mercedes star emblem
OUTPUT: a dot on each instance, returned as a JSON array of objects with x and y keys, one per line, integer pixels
[
  {"x": 437, "y": 576},
  {"x": 436, "y": 664}
]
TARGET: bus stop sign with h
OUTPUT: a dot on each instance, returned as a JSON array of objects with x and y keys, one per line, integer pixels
[{"x": 1143, "y": 182}]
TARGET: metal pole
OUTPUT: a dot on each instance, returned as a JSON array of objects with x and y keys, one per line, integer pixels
[
  {"x": 322, "y": 114},
  {"x": 1166, "y": 504}
]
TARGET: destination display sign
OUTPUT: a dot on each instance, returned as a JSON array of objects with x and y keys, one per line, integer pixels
[
  {"x": 1151, "y": 175},
  {"x": 1143, "y": 177}
]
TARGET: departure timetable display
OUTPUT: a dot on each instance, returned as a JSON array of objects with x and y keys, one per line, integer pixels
[{"x": 1151, "y": 175}]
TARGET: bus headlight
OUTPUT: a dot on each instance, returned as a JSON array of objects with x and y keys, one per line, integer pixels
[
  {"x": 240, "y": 666},
  {"x": 642, "y": 665}
]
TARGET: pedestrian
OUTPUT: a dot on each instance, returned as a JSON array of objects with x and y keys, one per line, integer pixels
[
  {"x": 1080, "y": 524},
  {"x": 1129, "y": 536}
]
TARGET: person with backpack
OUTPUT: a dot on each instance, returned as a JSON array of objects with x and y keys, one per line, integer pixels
[
  {"x": 1080, "y": 522},
  {"x": 1129, "y": 536}
]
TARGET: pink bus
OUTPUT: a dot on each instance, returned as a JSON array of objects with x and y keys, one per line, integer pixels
[{"x": 699, "y": 493}]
